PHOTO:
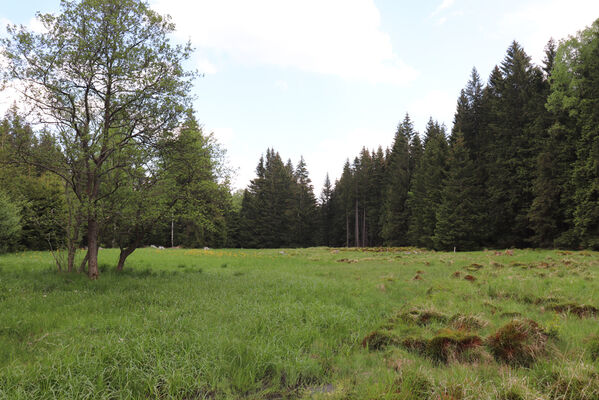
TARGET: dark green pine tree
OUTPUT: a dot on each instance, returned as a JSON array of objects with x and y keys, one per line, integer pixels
[
  {"x": 375, "y": 187},
  {"x": 304, "y": 213},
  {"x": 395, "y": 212},
  {"x": 267, "y": 206},
  {"x": 425, "y": 194},
  {"x": 459, "y": 214},
  {"x": 326, "y": 214},
  {"x": 517, "y": 96},
  {"x": 343, "y": 201},
  {"x": 551, "y": 212}
]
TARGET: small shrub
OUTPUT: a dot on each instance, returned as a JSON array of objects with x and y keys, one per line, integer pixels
[
  {"x": 224, "y": 265},
  {"x": 519, "y": 342}
]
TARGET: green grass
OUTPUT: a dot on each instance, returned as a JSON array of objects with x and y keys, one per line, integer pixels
[{"x": 266, "y": 324}]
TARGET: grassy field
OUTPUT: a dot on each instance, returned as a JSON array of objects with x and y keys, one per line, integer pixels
[{"x": 312, "y": 324}]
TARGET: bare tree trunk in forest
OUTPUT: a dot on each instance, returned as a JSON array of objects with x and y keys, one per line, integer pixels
[
  {"x": 92, "y": 248},
  {"x": 364, "y": 240},
  {"x": 346, "y": 229},
  {"x": 357, "y": 226}
]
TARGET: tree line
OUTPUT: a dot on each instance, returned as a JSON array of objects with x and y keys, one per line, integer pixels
[
  {"x": 108, "y": 153},
  {"x": 520, "y": 168}
]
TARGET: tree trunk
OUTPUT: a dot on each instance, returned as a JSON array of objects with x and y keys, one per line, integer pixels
[
  {"x": 72, "y": 250},
  {"x": 357, "y": 226},
  {"x": 92, "y": 248},
  {"x": 84, "y": 262},
  {"x": 126, "y": 252},
  {"x": 364, "y": 240},
  {"x": 346, "y": 229}
]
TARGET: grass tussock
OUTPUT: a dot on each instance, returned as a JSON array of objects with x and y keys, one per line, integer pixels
[
  {"x": 423, "y": 316},
  {"x": 520, "y": 342},
  {"x": 580, "y": 310}
]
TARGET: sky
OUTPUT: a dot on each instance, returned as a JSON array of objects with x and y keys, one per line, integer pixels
[{"x": 323, "y": 78}]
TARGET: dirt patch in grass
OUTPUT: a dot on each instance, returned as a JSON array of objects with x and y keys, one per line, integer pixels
[
  {"x": 470, "y": 278},
  {"x": 473, "y": 267},
  {"x": 347, "y": 260}
]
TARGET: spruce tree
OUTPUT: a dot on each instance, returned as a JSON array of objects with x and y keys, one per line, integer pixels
[
  {"x": 425, "y": 193},
  {"x": 395, "y": 213},
  {"x": 459, "y": 214}
]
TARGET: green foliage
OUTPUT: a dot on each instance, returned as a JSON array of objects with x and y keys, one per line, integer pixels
[
  {"x": 398, "y": 176},
  {"x": 459, "y": 214},
  {"x": 576, "y": 92},
  {"x": 425, "y": 195},
  {"x": 279, "y": 207},
  {"x": 10, "y": 223}
]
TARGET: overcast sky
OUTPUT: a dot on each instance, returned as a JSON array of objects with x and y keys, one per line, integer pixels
[{"x": 322, "y": 78}]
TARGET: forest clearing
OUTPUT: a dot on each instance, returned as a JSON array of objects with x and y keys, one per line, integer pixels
[{"x": 397, "y": 323}]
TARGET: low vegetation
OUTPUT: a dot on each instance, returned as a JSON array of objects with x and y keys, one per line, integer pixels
[{"x": 268, "y": 324}]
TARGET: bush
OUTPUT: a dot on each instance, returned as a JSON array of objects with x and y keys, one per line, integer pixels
[{"x": 10, "y": 223}]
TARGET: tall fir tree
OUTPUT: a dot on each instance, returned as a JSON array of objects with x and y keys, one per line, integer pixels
[
  {"x": 426, "y": 188},
  {"x": 395, "y": 212},
  {"x": 459, "y": 214}
]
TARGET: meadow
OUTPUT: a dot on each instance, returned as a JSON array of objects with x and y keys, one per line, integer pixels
[{"x": 303, "y": 323}]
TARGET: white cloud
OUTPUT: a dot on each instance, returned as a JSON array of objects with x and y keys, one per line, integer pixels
[
  {"x": 36, "y": 26},
  {"x": 8, "y": 97},
  {"x": 281, "y": 85},
  {"x": 538, "y": 21},
  {"x": 329, "y": 155},
  {"x": 334, "y": 37},
  {"x": 443, "y": 6},
  {"x": 206, "y": 67}
]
